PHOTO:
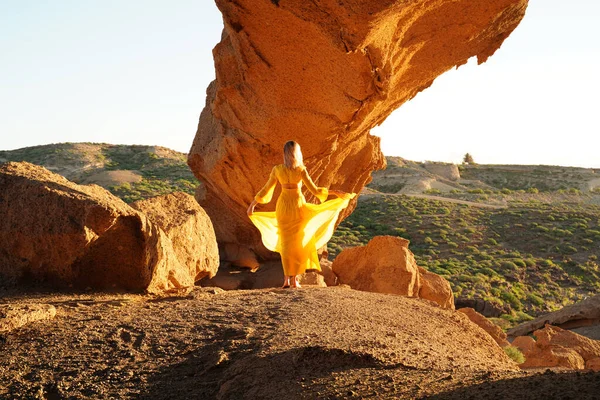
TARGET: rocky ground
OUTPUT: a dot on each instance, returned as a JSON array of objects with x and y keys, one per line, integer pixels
[{"x": 328, "y": 343}]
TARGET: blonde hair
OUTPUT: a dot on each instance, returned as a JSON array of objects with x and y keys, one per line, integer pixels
[{"x": 292, "y": 155}]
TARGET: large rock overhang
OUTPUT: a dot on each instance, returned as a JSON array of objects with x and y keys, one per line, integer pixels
[{"x": 323, "y": 73}]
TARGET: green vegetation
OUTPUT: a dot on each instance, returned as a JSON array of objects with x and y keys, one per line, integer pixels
[
  {"x": 160, "y": 170},
  {"x": 530, "y": 258},
  {"x": 515, "y": 354}
]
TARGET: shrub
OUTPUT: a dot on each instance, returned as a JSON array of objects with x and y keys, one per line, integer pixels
[
  {"x": 515, "y": 354},
  {"x": 511, "y": 299}
]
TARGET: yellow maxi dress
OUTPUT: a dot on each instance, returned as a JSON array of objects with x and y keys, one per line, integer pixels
[{"x": 297, "y": 229}]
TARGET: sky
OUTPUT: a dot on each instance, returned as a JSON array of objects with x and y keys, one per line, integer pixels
[{"x": 136, "y": 72}]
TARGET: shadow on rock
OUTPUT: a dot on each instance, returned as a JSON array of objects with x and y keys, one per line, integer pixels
[{"x": 251, "y": 375}]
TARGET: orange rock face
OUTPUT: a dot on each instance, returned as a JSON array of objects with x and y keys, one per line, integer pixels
[
  {"x": 435, "y": 288},
  {"x": 323, "y": 73},
  {"x": 58, "y": 232},
  {"x": 190, "y": 232},
  {"x": 493, "y": 330},
  {"x": 556, "y": 347},
  {"x": 384, "y": 265},
  {"x": 553, "y": 357},
  {"x": 524, "y": 343}
]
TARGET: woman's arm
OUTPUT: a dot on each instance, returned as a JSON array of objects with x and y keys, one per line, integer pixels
[
  {"x": 320, "y": 192},
  {"x": 265, "y": 194}
]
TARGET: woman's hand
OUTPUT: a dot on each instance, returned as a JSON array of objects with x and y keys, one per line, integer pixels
[{"x": 250, "y": 210}]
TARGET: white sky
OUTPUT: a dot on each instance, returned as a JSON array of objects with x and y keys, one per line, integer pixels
[{"x": 136, "y": 71}]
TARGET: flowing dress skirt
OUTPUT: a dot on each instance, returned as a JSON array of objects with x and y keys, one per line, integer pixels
[{"x": 297, "y": 229}]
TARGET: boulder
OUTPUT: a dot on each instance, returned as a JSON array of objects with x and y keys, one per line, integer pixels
[
  {"x": 16, "y": 316},
  {"x": 64, "y": 234},
  {"x": 548, "y": 357},
  {"x": 436, "y": 289},
  {"x": 583, "y": 314},
  {"x": 384, "y": 265},
  {"x": 323, "y": 73},
  {"x": 239, "y": 256},
  {"x": 492, "y": 329},
  {"x": 556, "y": 347},
  {"x": 329, "y": 276},
  {"x": 524, "y": 343},
  {"x": 191, "y": 234},
  {"x": 593, "y": 364},
  {"x": 555, "y": 336},
  {"x": 487, "y": 308}
]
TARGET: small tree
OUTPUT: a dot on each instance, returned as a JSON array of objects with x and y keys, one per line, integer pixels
[{"x": 468, "y": 159}]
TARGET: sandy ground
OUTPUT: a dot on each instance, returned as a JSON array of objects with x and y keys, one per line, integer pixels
[{"x": 312, "y": 343}]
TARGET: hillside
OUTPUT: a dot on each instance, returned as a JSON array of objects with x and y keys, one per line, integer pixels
[
  {"x": 529, "y": 245},
  {"x": 130, "y": 172}
]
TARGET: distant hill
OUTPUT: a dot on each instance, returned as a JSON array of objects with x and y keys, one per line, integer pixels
[
  {"x": 130, "y": 172},
  {"x": 450, "y": 180}
]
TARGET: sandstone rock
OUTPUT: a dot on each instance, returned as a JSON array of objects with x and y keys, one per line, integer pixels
[
  {"x": 436, "y": 288},
  {"x": 16, "y": 316},
  {"x": 582, "y": 314},
  {"x": 593, "y": 364},
  {"x": 191, "y": 233},
  {"x": 555, "y": 336},
  {"x": 329, "y": 276},
  {"x": 556, "y": 347},
  {"x": 384, "y": 265},
  {"x": 524, "y": 343},
  {"x": 323, "y": 73},
  {"x": 448, "y": 171},
  {"x": 487, "y": 308},
  {"x": 225, "y": 280},
  {"x": 239, "y": 256},
  {"x": 493, "y": 330},
  {"x": 55, "y": 231},
  {"x": 554, "y": 356},
  {"x": 312, "y": 278}
]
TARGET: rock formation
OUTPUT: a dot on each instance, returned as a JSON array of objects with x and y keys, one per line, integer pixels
[
  {"x": 556, "y": 347},
  {"x": 323, "y": 73},
  {"x": 492, "y": 329},
  {"x": 16, "y": 316},
  {"x": 191, "y": 234},
  {"x": 448, "y": 171},
  {"x": 386, "y": 265},
  {"x": 435, "y": 288},
  {"x": 488, "y": 309},
  {"x": 55, "y": 231},
  {"x": 583, "y": 314}
]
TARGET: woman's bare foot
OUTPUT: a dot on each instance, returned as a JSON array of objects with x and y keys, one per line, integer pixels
[
  {"x": 286, "y": 282},
  {"x": 295, "y": 282}
]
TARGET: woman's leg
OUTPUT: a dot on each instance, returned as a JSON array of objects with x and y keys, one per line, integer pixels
[{"x": 286, "y": 282}]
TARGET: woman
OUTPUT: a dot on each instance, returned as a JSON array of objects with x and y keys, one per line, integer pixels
[{"x": 296, "y": 229}]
